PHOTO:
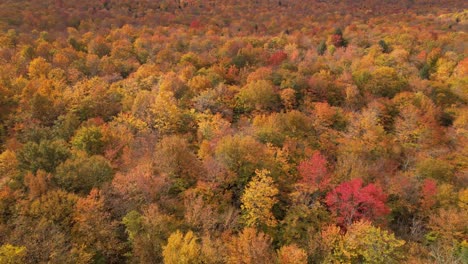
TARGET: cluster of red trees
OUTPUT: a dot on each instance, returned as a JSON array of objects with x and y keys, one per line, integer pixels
[{"x": 233, "y": 132}]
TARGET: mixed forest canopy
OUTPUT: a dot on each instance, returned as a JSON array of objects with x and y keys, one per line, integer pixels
[{"x": 229, "y": 131}]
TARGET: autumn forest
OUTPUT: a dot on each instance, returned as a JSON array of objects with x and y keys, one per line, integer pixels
[{"x": 230, "y": 131}]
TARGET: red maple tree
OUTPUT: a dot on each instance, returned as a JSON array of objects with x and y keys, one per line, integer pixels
[
  {"x": 428, "y": 192},
  {"x": 314, "y": 173},
  {"x": 277, "y": 57},
  {"x": 350, "y": 201}
]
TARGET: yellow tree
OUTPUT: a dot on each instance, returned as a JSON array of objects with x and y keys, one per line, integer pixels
[
  {"x": 182, "y": 249},
  {"x": 10, "y": 254},
  {"x": 258, "y": 200},
  {"x": 362, "y": 243}
]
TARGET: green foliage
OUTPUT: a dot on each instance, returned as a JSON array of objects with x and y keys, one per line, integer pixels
[
  {"x": 133, "y": 224},
  {"x": 242, "y": 155},
  {"x": 89, "y": 139},
  {"x": 148, "y": 234},
  {"x": 425, "y": 72},
  {"x": 81, "y": 173},
  {"x": 46, "y": 155},
  {"x": 322, "y": 47},
  {"x": 384, "y": 46},
  {"x": 259, "y": 95},
  {"x": 383, "y": 81},
  {"x": 435, "y": 168}
]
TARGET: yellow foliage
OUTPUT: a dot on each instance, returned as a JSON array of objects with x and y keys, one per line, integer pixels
[
  {"x": 10, "y": 254},
  {"x": 258, "y": 200},
  {"x": 182, "y": 249},
  {"x": 364, "y": 243}
]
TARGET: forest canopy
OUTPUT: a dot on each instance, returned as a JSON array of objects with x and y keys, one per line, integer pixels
[{"x": 201, "y": 131}]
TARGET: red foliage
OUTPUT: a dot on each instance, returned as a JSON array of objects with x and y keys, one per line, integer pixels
[
  {"x": 428, "y": 191},
  {"x": 351, "y": 202},
  {"x": 195, "y": 24},
  {"x": 337, "y": 40},
  {"x": 314, "y": 173},
  {"x": 277, "y": 57}
]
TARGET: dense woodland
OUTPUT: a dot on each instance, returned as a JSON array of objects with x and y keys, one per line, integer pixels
[{"x": 244, "y": 132}]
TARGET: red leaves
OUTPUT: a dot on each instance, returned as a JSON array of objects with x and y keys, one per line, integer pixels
[
  {"x": 195, "y": 24},
  {"x": 314, "y": 173},
  {"x": 337, "y": 40},
  {"x": 277, "y": 58},
  {"x": 351, "y": 202},
  {"x": 428, "y": 191}
]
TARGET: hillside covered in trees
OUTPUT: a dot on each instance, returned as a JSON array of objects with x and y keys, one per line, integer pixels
[{"x": 229, "y": 131}]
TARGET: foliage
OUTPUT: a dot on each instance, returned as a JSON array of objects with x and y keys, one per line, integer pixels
[
  {"x": 364, "y": 243},
  {"x": 314, "y": 172},
  {"x": 250, "y": 247},
  {"x": 89, "y": 139},
  {"x": 291, "y": 254},
  {"x": 351, "y": 201},
  {"x": 45, "y": 155},
  {"x": 10, "y": 254},
  {"x": 233, "y": 131},
  {"x": 82, "y": 173},
  {"x": 258, "y": 199},
  {"x": 183, "y": 249}
]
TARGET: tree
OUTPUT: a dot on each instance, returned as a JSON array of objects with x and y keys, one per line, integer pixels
[
  {"x": 82, "y": 173},
  {"x": 93, "y": 230},
  {"x": 242, "y": 155},
  {"x": 383, "y": 81},
  {"x": 94, "y": 98},
  {"x": 364, "y": 243},
  {"x": 8, "y": 165},
  {"x": 258, "y": 200},
  {"x": 250, "y": 247},
  {"x": 167, "y": 116},
  {"x": 277, "y": 57},
  {"x": 89, "y": 139},
  {"x": 350, "y": 201},
  {"x": 10, "y": 254},
  {"x": 174, "y": 158},
  {"x": 322, "y": 47},
  {"x": 314, "y": 173},
  {"x": 259, "y": 95},
  {"x": 39, "y": 67},
  {"x": 337, "y": 40},
  {"x": 148, "y": 233},
  {"x": 37, "y": 184},
  {"x": 436, "y": 169},
  {"x": 292, "y": 254},
  {"x": 384, "y": 46},
  {"x": 46, "y": 155},
  {"x": 182, "y": 249}
]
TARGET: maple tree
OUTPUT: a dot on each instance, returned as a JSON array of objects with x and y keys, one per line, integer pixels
[
  {"x": 351, "y": 201},
  {"x": 314, "y": 172}
]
